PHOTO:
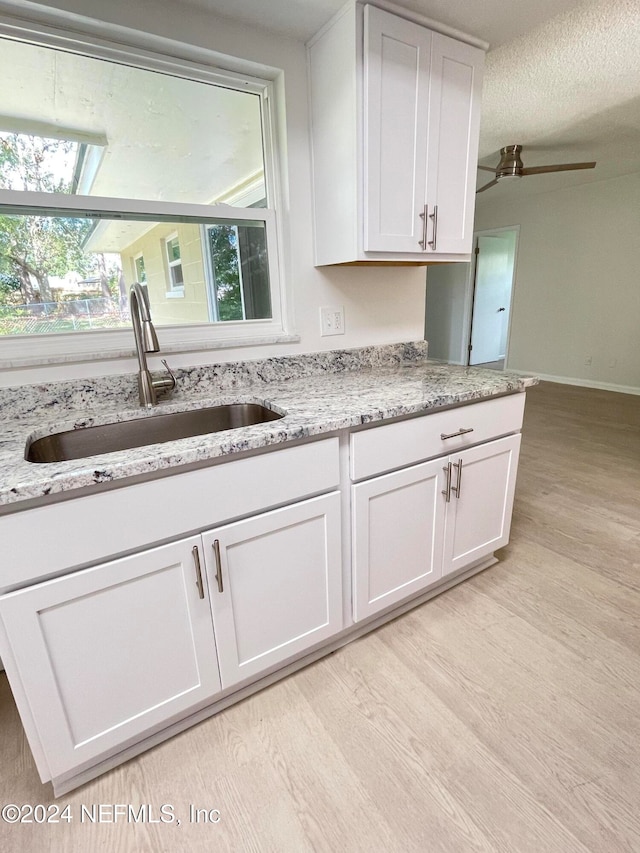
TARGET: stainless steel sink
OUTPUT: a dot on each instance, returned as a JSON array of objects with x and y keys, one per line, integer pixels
[{"x": 90, "y": 441}]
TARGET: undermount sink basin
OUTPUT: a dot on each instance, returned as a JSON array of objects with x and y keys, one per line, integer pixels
[{"x": 125, "y": 435}]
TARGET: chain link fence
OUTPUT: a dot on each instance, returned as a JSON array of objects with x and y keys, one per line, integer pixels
[{"x": 74, "y": 315}]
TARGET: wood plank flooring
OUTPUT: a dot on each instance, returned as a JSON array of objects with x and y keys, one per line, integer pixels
[{"x": 503, "y": 715}]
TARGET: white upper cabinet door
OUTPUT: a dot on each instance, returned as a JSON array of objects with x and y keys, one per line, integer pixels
[
  {"x": 398, "y": 521},
  {"x": 479, "y": 515},
  {"x": 454, "y": 127},
  {"x": 276, "y": 585},
  {"x": 108, "y": 653},
  {"x": 396, "y": 111}
]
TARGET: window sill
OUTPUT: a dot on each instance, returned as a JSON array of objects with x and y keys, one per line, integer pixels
[
  {"x": 175, "y": 294},
  {"x": 195, "y": 346}
]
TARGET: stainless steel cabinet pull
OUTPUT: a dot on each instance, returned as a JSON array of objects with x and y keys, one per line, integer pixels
[
  {"x": 434, "y": 216},
  {"x": 461, "y": 431},
  {"x": 447, "y": 489},
  {"x": 216, "y": 553},
  {"x": 424, "y": 216},
  {"x": 458, "y": 484},
  {"x": 196, "y": 560}
]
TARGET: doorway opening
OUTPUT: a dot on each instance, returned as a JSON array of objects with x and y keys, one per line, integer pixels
[{"x": 492, "y": 277}]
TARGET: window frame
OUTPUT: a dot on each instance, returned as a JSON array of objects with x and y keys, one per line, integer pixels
[
  {"x": 136, "y": 272},
  {"x": 174, "y": 291},
  {"x": 107, "y": 344}
]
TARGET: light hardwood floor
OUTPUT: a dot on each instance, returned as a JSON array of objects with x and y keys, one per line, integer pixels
[{"x": 503, "y": 715}]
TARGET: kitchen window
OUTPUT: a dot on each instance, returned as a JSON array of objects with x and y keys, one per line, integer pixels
[{"x": 126, "y": 193}]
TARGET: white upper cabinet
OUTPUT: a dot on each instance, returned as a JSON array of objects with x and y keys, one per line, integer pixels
[{"x": 395, "y": 116}]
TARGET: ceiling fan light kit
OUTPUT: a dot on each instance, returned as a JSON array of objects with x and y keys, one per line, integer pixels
[{"x": 511, "y": 166}]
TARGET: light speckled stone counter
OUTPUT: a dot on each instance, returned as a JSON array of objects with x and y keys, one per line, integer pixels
[{"x": 318, "y": 393}]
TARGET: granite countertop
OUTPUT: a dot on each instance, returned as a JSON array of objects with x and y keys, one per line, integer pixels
[{"x": 318, "y": 393}]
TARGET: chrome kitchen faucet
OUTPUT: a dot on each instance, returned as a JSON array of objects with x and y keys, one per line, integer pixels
[{"x": 147, "y": 341}]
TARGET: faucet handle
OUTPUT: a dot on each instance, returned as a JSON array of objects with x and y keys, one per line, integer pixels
[
  {"x": 165, "y": 385},
  {"x": 170, "y": 372}
]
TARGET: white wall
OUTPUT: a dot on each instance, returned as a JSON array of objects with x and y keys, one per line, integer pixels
[
  {"x": 577, "y": 288},
  {"x": 446, "y": 312},
  {"x": 382, "y": 305}
]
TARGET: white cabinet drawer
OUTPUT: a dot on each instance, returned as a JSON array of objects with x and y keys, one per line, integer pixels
[{"x": 386, "y": 448}]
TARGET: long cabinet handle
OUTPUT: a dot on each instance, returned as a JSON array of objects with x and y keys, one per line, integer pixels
[
  {"x": 461, "y": 431},
  {"x": 447, "y": 489},
  {"x": 196, "y": 560},
  {"x": 458, "y": 484},
  {"x": 216, "y": 554},
  {"x": 425, "y": 218},
  {"x": 434, "y": 216}
]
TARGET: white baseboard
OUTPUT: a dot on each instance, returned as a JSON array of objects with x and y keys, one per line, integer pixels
[{"x": 583, "y": 383}]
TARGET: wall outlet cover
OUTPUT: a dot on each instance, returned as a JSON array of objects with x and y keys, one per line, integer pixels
[{"x": 332, "y": 320}]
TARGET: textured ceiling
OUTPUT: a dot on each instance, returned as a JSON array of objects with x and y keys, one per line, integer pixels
[
  {"x": 495, "y": 21},
  {"x": 568, "y": 90}
]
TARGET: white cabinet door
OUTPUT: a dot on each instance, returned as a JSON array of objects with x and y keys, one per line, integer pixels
[
  {"x": 276, "y": 585},
  {"x": 398, "y": 522},
  {"x": 479, "y": 514},
  {"x": 106, "y": 654},
  {"x": 454, "y": 127},
  {"x": 396, "y": 111}
]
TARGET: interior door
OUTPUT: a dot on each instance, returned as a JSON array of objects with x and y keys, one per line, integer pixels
[{"x": 492, "y": 297}]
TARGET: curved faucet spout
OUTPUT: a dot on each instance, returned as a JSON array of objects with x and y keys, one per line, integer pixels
[{"x": 141, "y": 318}]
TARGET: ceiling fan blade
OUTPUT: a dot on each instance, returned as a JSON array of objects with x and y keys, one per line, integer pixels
[
  {"x": 486, "y": 186},
  {"x": 488, "y": 168},
  {"x": 560, "y": 167}
]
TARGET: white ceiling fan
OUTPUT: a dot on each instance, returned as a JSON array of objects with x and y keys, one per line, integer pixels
[{"x": 511, "y": 166}]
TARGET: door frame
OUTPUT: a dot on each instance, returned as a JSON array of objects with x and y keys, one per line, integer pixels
[{"x": 471, "y": 281}]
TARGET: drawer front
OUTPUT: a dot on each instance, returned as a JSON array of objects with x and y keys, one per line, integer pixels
[
  {"x": 385, "y": 448},
  {"x": 105, "y": 524}
]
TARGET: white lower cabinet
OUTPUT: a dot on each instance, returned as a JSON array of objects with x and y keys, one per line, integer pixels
[
  {"x": 102, "y": 658},
  {"x": 275, "y": 582},
  {"x": 398, "y": 524},
  {"x": 107, "y": 653},
  {"x": 413, "y": 527},
  {"x": 478, "y": 518}
]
